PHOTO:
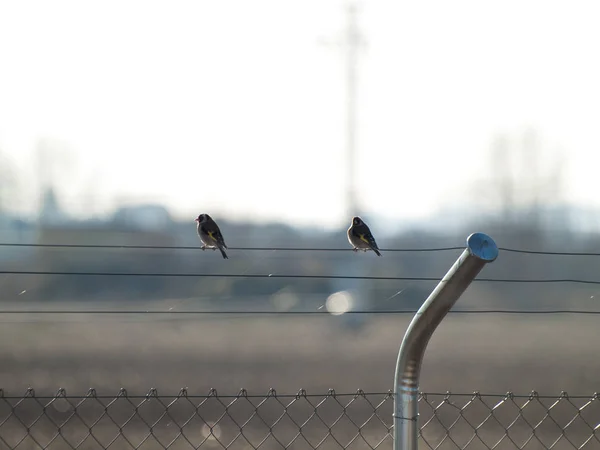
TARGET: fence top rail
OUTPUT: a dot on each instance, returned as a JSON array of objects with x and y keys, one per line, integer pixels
[{"x": 243, "y": 393}]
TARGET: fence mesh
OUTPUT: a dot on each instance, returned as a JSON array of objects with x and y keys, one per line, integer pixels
[{"x": 299, "y": 421}]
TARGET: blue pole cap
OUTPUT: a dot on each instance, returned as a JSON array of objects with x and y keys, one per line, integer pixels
[{"x": 482, "y": 246}]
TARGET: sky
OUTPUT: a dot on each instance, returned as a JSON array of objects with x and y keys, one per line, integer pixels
[{"x": 237, "y": 108}]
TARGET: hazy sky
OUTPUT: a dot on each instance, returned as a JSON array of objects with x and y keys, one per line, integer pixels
[{"x": 237, "y": 108}]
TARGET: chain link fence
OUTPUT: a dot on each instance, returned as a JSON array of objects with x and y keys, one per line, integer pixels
[{"x": 359, "y": 420}]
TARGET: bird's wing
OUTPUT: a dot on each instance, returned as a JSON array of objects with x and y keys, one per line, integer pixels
[
  {"x": 211, "y": 233},
  {"x": 215, "y": 234},
  {"x": 367, "y": 238}
]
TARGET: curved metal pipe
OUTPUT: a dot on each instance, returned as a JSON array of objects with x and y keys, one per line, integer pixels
[{"x": 481, "y": 249}]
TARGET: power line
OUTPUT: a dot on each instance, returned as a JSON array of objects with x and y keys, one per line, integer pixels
[
  {"x": 213, "y": 275},
  {"x": 261, "y": 249},
  {"x": 298, "y": 313},
  {"x": 273, "y": 275},
  {"x": 291, "y": 249},
  {"x": 541, "y": 252}
]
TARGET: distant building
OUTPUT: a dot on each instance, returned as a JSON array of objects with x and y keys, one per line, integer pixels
[{"x": 143, "y": 217}]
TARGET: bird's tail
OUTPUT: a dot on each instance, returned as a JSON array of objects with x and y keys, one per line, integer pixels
[
  {"x": 223, "y": 253},
  {"x": 376, "y": 251}
]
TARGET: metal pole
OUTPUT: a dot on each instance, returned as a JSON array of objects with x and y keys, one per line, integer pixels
[{"x": 481, "y": 249}]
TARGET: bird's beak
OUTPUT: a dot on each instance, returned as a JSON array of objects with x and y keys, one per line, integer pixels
[{"x": 196, "y": 220}]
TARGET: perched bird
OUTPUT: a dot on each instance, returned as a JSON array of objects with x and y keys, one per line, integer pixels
[
  {"x": 360, "y": 236},
  {"x": 210, "y": 235}
]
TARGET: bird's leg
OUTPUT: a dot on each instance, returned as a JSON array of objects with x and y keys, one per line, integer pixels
[
  {"x": 355, "y": 249},
  {"x": 203, "y": 247}
]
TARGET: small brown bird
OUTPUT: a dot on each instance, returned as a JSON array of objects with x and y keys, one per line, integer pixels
[
  {"x": 210, "y": 234},
  {"x": 359, "y": 235}
]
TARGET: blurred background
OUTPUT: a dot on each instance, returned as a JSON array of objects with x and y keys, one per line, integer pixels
[{"x": 120, "y": 122}]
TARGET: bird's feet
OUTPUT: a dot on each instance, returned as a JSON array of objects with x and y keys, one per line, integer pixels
[
  {"x": 355, "y": 249},
  {"x": 203, "y": 247}
]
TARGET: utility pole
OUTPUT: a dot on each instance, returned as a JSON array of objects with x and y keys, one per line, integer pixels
[{"x": 352, "y": 42}]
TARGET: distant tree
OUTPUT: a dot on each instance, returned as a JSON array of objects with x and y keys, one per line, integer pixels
[
  {"x": 526, "y": 179},
  {"x": 50, "y": 211},
  {"x": 7, "y": 184},
  {"x": 54, "y": 159}
]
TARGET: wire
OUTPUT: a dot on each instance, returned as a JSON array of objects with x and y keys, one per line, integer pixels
[
  {"x": 272, "y": 275},
  {"x": 183, "y": 393},
  {"x": 214, "y": 275},
  {"x": 213, "y": 394},
  {"x": 309, "y": 249},
  {"x": 540, "y": 252},
  {"x": 168, "y": 247},
  {"x": 299, "y": 313}
]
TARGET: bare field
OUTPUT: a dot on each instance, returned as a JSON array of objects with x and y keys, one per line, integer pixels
[{"x": 491, "y": 353}]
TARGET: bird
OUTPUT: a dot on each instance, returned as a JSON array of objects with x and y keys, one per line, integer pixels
[
  {"x": 210, "y": 234},
  {"x": 360, "y": 237}
]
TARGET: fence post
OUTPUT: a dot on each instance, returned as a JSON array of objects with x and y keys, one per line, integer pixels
[{"x": 481, "y": 249}]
